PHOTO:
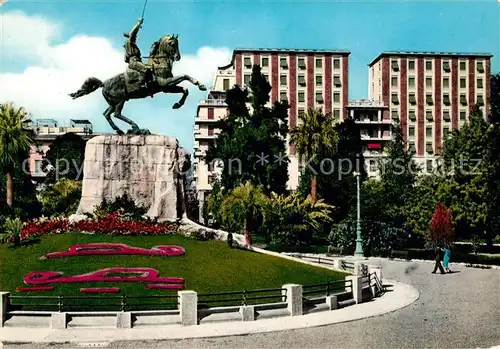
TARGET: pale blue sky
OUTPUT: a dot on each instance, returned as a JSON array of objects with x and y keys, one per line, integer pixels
[{"x": 364, "y": 28}]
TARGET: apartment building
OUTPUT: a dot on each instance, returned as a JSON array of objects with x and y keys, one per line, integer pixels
[
  {"x": 374, "y": 129},
  {"x": 304, "y": 78},
  {"x": 430, "y": 93},
  {"x": 46, "y": 130}
]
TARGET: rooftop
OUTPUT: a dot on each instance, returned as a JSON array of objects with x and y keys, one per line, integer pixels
[
  {"x": 283, "y": 50},
  {"x": 425, "y": 53},
  {"x": 79, "y": 121}
]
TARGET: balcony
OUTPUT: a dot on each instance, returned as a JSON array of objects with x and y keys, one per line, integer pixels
[
  {"x": 199, "y": 120},
  {"x": 198, "y": 136},
  {"x": 373, "y": 122},
  {"x": 366, "y": 103},
  {"x": 375, "y": 138},
  {"x": 213, "y": 102},
  {"x": 199, "y": 153}
]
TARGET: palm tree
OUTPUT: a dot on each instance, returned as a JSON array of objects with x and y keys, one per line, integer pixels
[
  {"x": 15, "y": 141},
  {"x": 61, "y": 197},
  {"x": 316, "y": 134},
  {"x": 247, "y": 200}
]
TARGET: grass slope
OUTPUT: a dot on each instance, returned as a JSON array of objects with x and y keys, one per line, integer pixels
[{"x": 207, "y": 266}]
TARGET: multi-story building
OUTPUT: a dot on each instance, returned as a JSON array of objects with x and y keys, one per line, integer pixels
[
  {"x": 46, "y": 130},
  {"x": 375, "y": 130},
  {"x": 430, "y": 93},
  {"x": 305, "y": 78}
]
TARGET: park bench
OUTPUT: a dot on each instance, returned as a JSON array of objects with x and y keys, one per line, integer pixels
[
  {"x": 399, "y": 254},
  {"x": 334, "y": 251}
]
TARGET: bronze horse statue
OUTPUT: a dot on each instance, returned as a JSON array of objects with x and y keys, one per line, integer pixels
[{"x": 135, "y": 84}]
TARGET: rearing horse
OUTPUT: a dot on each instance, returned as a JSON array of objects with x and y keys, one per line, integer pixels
[{"x": 131, "y": 84}]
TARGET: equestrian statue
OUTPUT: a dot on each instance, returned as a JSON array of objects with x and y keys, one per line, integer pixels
[{"x": 140, "y": 80}]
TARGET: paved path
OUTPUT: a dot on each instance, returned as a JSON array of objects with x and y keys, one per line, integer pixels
[{"x": 460, "y": 310}]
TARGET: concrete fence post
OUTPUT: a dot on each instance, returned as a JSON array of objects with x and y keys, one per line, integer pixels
[
  {"x": 357, "y": 287},
  {"x": 247, "y": 313},
  {"x": 4, "y": 307},
  {"x": 294, "y": 298},
  {"x": 332, "y": 302},
  {"x": 338, "y": 264},
  {"x": 59, "y": 321},
  {"x": 188, "y": 307},
  {"x": 358, "y": 268},
  {"x": 124, "y": 320}
]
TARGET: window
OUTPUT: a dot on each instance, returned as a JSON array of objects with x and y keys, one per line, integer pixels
[
  {"x": 463, "y": 99},
  {"x": 411, "y": 98},
  {"x": 463, "y": 66},
  {"x": 446, "y": 66},
  {"x": 446, "y": 130},
  {"x": 480, "y": 83},
  {"x": 394, "y": 115},
  {"x": 480, "y": 67},
  {"x": 446, "y": 115},
  {"x": 428, "y": 99},
  {"x": 336, "y": 63},
  {"x": 247, "y": 62},
  {"x": 319, "y": 80},
  {"x": 446, "y": 99},
  {"x": 428, "y": 132},
  {"x": 210, "y": 113},
  {"x": 463, "y": 83},
  {"x": 336, "y": 81},
  {"x": 319, "y": 97},
  {"x": 411, "y": 147},
  {"x": 283, "y": 97},
  {"x": 394, "y": 65},
  {"x": 302, "y": 80},
  {"x": 301, "y": 113},
  {"x": 302, "y": 97},
  {"x": 411, "y": 115},
  {"x": 462, "y": 115},
  {"x": 246, "y": 79},
  {"x": 428, "y": 115},
  {"x": 373, "y": 166},
  {"x": 429, "y": 165},
  {"x": 225, "y": 84},
  {"x": 428, "y": 65},
  {"x": 283, "y": 63},
  {"x": 411, "y": 131},
  {"x": 302, "y": 63},
  {"x": 336, "y": 97},
  {"x": 446, "y": 83},
  {"x": 336, "y": 114},
  {"x": 429, "y": 148},
  {"x": 210, "y": 166},
  {"x": 283, "y": 80},
  {"x": 394, "y": 98},
  {"x": 319, "y": 62},
  {"x": 411, "y": 65},
  {"x": 428, "y": 82},
  {"x": 265, "y": 61},
  {"x": 411, "y": 82},
  {"x": 266, "y": 76},
  {"x": 480, "y": 100},
  {"x": 210, "y": 130},
  {"x": 394, "y": 81}
]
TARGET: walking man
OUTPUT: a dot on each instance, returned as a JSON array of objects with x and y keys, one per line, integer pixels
[{"x": 438, "y": 258}]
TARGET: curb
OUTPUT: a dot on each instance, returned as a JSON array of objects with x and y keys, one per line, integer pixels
[{"x": 401, "y": 296}]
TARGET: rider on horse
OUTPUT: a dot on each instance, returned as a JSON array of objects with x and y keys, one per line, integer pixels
[{"x": 133, "y": 55}]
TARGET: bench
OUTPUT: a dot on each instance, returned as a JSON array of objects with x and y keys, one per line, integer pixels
[
  {"x": 399, "y": 254},
  {"x": 334, "y": 251}
]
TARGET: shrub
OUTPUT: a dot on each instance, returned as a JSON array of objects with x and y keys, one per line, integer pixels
[
  {"x": 12, "y": 231},
  {"x": 61, "y": 198},
  {"x": 204, "y": 235},
  {"x": 123, "y": 204}
]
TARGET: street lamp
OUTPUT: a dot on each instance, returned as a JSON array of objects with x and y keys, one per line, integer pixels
[{"x": 358, "y": 253}]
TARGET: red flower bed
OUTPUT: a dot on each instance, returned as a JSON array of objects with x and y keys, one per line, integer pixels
[{"x": 112, "y": 224}]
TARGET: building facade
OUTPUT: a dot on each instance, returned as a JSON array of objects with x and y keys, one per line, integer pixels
[
  {"x": 46, "y": 130},
  {"x": 304, "y": 78},
  {"x": 430, "y": 94}
]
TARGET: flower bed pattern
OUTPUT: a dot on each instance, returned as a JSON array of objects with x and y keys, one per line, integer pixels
[
  {"x": 116, "y": 249},
  {"x": 112, "y": 224}
]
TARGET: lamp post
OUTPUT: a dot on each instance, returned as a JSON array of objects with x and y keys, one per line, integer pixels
[{"x": 358, "y": 253}]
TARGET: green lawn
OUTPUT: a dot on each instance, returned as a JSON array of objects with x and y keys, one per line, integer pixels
[{"x": 207, "y": 266}]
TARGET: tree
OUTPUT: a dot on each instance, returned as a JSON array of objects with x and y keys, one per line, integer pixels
[
  {"x": 494, "y": 116},
  {"x": 315, "y": 135},
  {"x": 61, "y": 198},
  {"x": 15, "y": 141},
  {"x": 440, "y": 231},
  {"x": 248, "y": 199},
  {"x": 251, "y": 145},
  {"x": 66, "y": 154}
]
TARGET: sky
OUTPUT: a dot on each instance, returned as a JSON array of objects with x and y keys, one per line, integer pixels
[{"x": 49, "y": 47}]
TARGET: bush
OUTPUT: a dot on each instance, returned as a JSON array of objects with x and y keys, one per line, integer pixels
[
  {"x": 61, "y": 198},
  {"x": 12, "y": 231},
  {"x": 204, "y": 235},
  {"x": 123, "y": 204}
]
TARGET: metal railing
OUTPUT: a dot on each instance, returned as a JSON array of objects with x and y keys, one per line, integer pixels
[
  {"x": 327, "y": 288},
  {"x": 347, "y": 265},
  {"x": 242, "y": 298},
  {"x": 61, "y": 303},
  {"x": 315, "y": 259}
]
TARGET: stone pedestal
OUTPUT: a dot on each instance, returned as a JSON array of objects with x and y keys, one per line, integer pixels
[{"x": 151, "y": 170}]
